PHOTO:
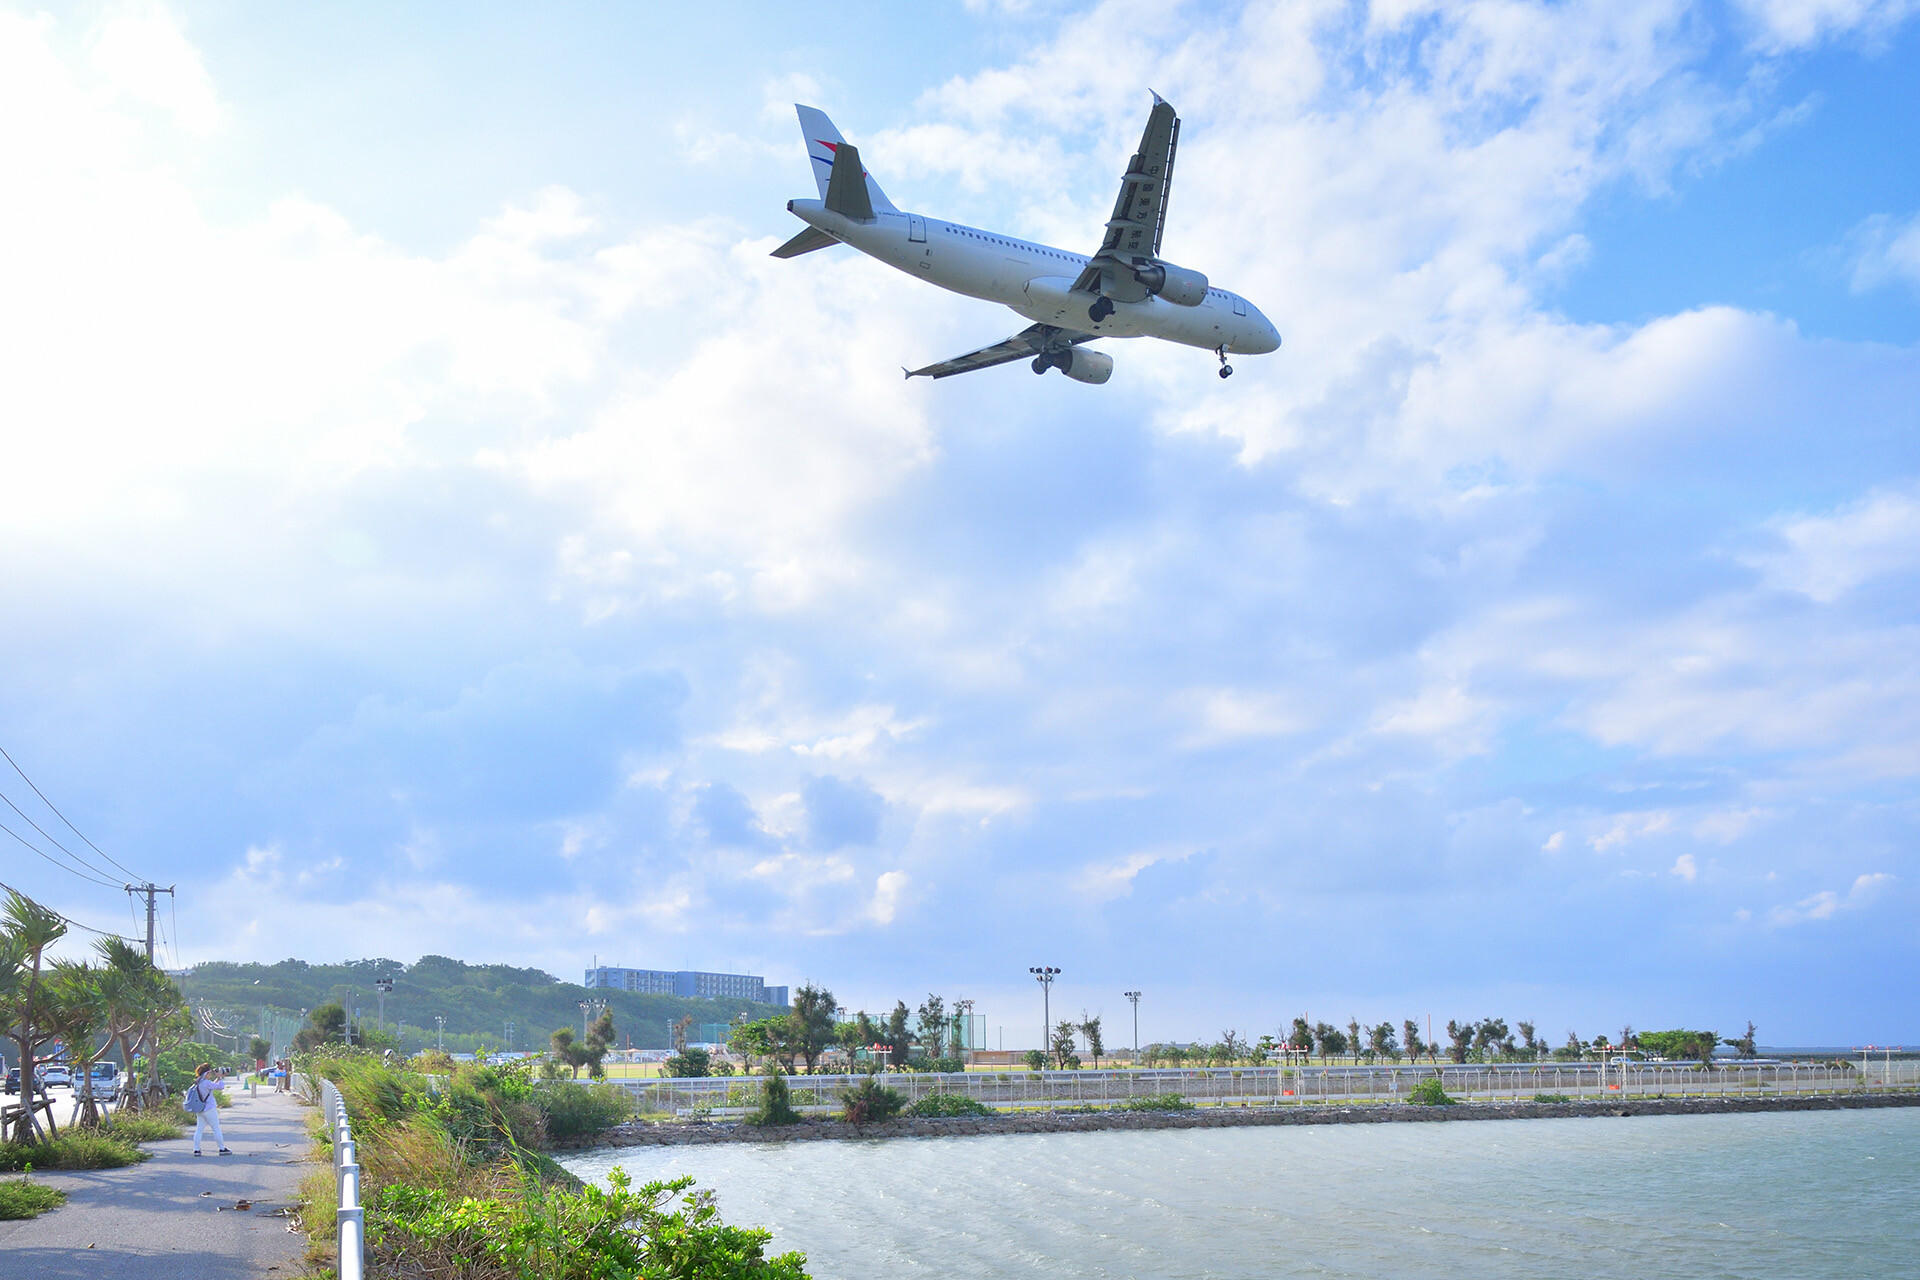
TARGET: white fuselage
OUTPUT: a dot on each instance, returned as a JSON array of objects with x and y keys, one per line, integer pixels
[{"x": 1035, "y": 280}]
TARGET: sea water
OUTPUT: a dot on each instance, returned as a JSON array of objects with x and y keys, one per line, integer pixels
[{"x": 1781, "y": 1195}]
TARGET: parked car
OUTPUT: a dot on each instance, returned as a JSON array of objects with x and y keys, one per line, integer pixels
[
  {"x": 13, "y": 1080},
  {"x": 55, "y": 1073},
  {"x": 105, "y": 1072}
]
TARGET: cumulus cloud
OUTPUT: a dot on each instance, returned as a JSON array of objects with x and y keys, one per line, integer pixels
[{"x": 1825, "y": 904}]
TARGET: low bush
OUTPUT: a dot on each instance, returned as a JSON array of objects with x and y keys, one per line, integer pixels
[
  {"x": 1429, "y": 1093},
  {"x": 949, "y": 1104},
  {"x": 22, "y": 1199},
  {"x": 870, "y": 1100},
  {"x": 156, "y": 1125},
  {"x": 776, "y": 1103},
  {"x": 1551, "y": 1097},
  {"x": 73, "y": 1149},
  {"x": 549, "y": 1233},
  {"x": 1157, "y": 1102},
  {"x": 571, "y": 1109}
]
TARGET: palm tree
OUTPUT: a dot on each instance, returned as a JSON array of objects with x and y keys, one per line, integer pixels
[
  {"x": 76, "y": 1012},
  {"x": 29, "y": 929}
]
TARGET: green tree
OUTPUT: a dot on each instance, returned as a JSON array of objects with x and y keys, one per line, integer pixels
[
  {"x": 326, "y": 1024},
  {"x": 566, "y": 1051},
  {"x": 27, "y": 929},
  {"x": 691, "y": 1062},
  {"x": 1263, "y": 1051},
  {"x": 1532, "y": 1046},
  {"x": 1300, "y": 1039},
  {"x": 811, "y": 1022},
  {"x": 1462, "y": 1038},
  {"x": 1382, "y": 1043},
  {"x": 1680, "y": 1045},
  {"x": 1415, "y": 1044},
  {"x": 1063, "y": 1054},
  {"x": 1231, "y": 1047},
  {"x": 1331, "y": 1042},
  {"x": 1353, "y": 1037},
  {"x": 1035, "y": 1060},
  {"x": 932, "y": 1027},
  {"x": 894, "y": 1034},
  {"x": 776, "y": 1102},
  {"x": 1746, "y": 1046},
  {"x": 763, "y": 1038},
  {"x": 1090, "y": 1031}
]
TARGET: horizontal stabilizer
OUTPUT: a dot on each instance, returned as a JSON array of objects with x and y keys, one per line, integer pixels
[
  {"x": 806, "y": 242},
  {"x": 847, "y": 185}
]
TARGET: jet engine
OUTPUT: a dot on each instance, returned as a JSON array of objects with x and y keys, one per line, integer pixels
[
  {"x": 1077, "y": 363},
  {"x": 1176, "y": 284}
]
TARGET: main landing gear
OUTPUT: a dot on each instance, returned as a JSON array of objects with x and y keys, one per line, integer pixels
[
  {"x": 1050, "y": 359},
  {"x": 1102, "y": 308},
  {"x": 1226, "y": 370}
]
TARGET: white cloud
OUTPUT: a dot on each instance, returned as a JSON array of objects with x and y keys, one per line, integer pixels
[
  {"x": 1881, "y": 250},
  {"x": 1685, "y": 867},
  {"x": 141, "y": 52},
  {"x": 1782, "y": 25},
  {"x": 1826, "y": 903},
  {"x": 1828, "y": 555}
]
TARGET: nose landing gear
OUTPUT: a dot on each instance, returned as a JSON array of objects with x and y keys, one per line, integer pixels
[{"x": 1226, "y": 370}]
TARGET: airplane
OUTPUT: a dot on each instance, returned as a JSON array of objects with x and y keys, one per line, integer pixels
[{"x": 1124, "y": 290}]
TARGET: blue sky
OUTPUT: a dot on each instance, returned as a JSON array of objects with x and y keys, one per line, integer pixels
[{"x": 433, "y": 523}]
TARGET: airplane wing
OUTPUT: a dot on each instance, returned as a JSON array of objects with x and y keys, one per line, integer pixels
[
  {"x": 1028, "y": 342},
  {"x": 1140, "y": 212}
]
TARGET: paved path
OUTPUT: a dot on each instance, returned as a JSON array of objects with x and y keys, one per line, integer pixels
[{"x": 174, "y": 1216}]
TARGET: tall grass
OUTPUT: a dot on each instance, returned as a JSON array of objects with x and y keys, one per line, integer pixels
[{"x": 73, "y": 1149}]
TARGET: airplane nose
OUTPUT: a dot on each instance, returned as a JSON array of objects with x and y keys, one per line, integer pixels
[{"x": 1269, "y": 339}]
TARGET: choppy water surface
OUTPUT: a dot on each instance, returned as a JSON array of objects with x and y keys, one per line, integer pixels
[{"x": 1780, "y": 1196}]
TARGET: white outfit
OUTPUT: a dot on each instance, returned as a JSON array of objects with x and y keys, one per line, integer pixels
[{"x": 210, "y": 1118}]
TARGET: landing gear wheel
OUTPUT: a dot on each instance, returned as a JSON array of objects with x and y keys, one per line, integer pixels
[
  {"x": 1226, "y": 371},
  {"x": 1041, "y": 363},
  {"x": 1100, "y": 310}
]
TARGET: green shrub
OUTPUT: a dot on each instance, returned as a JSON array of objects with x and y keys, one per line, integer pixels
[
  {"x": 1428, "y": 1093},
  {"x": 776, "y": 1103},
  {"x": 23, "y": 1199},
  {"x": 571, "y": 1109},
  {"x": 1157, "y": 1102},
  {"x": 157, "y": 1125},
  {"x": 949, "y": 1104},
  {"x": 73, "y": 1149},
  {"x": 871, "y": 1100},
  {"x": 552, "y": 1233},
  {"x": 1035, "y": 1060},
  {"x": 1551, "y": 1097}
]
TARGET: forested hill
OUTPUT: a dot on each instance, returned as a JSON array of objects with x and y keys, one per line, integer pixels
[{"x": 477, "y": 1000}]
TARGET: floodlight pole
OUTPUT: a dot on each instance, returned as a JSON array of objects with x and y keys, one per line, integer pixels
[
  {"x": 1045, "y": 975},
  {"x": 1134, "y": 997}
]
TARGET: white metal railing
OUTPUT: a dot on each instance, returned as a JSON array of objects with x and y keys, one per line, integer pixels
[
  {"x": 1295, "y": 1085},
  {"x": 350, "y": 1219}
]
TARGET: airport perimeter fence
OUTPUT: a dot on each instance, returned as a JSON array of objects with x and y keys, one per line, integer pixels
[{"x": 722, "y": 1096}]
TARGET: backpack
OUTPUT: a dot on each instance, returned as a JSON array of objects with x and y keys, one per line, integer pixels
[{"x": 195, "y": 1100}]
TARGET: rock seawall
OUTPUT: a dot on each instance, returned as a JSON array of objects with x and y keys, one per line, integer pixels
[{"x": 692, "y": 1133}]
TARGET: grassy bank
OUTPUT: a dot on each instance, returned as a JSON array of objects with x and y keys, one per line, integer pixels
[{"x": 455, "y": 1183}]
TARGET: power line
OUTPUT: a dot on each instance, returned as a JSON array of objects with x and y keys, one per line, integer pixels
[
  {"x": 68, "y": 919},
  {"x": 72, "y": 857},
  {"x": 63, "y": 817},
  {"x": 90, "y": 879}
]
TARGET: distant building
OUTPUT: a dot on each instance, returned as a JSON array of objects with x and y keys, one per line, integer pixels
[{"x": 686, "y": 982}]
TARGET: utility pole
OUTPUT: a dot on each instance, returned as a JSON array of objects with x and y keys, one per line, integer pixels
[
  {"x": 509, "y": 1035},
  {"x": 441, "y": 1024},
  {"x": 383, "y": 986},
  {"x": 149, "y": 890},
  {"x": 1134, "y": 996}
]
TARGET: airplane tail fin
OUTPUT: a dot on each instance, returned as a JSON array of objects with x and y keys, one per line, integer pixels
[{"x": 823, "y": 143}]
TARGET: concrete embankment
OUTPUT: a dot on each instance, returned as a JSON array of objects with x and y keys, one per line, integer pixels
[{"x": 687, "y": 1133}]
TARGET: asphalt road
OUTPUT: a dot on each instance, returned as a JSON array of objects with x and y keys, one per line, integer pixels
[{"x": 175, "y": 1215}]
